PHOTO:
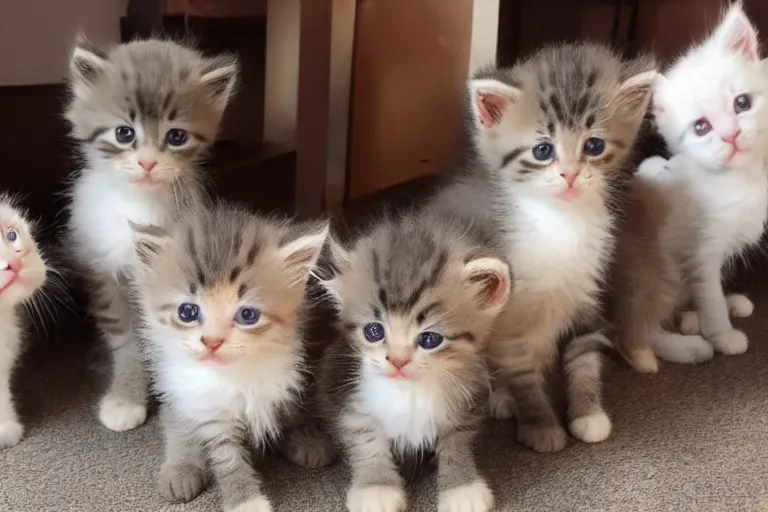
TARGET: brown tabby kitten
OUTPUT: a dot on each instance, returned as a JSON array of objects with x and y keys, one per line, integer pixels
[
  {"x": 417, "y": 298},
  {"x": 550, "y": 138}
]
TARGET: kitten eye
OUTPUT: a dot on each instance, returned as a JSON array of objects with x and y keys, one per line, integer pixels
[
  {"x": 742, "y": 103},
  {"x": 374, "y": 332},
  {"x": 11, "y": 235},
  {"x": 124, "y": 134},
  {"x": 594, "y": 146},
  {"x": 247, "y": 316},
  {"x": 702, "y": 127},
  {"x": 429, "y": 340},
  {"x": 189, "y": 312},
  {"x": 176, "y": 137},
  {"x": 543, "y": 151}
]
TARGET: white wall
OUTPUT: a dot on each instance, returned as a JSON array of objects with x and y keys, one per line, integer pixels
[
  {"x": 485, "y": 33},
  {"x": 36, "y": 35}
]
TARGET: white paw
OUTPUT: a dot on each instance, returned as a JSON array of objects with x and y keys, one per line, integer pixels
[
  {"x": 730, "y": 342},
  {"x": 652, "y": 166},
  {"x": 643, "y": 360},
  {"x": 501, "y": 405},
  {"x": 260, "y": 504},
  {"x": 594, "y": 428},
  {"x": 739, "y": 306},
  {"x": 689, "y": 322},
  {"x": 119, "y": 414},
  {"x": 11, "y": 433},
  {"x": 476, "y": 497},
  {"x": 683, "y": 349},
  {"x": 376, "y": 498}
]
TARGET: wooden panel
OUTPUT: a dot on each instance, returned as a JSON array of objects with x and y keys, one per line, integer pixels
[{"x": 410, "y": 66}]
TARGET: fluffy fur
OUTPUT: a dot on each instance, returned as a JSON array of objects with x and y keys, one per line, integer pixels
[
  {"x": 707, "y": 204},
  {"x": 551, "y": 136},
  {"x": 22, "y": 275},
  {"x": 392, "y": 397},
  {"x": 229, "y": 377},
  {"x": 143, "y": 114}
]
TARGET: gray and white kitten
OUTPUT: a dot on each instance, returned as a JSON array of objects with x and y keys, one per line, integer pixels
[
  {"x": 143, "y": 114},
  {"x": 221, "y": 300},
  {"x": 22, "y": 274},
  {"x": 416, "y": 297},
  {"x": 550, "y": 136}
]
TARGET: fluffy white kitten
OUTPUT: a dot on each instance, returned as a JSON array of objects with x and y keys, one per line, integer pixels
[
  {"x": 22, "y": 274},
  {"x": 707, "y": 204}
]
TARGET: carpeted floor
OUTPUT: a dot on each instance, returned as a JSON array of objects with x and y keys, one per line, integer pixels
[{"x": 687, "y": 439}]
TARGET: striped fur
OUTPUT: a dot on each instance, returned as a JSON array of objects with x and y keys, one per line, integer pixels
[
  {"x": 217, "y": 402},
  {"x": 559, "y": 237},
  {"x": 151, "y": 88},
  {"x": 413, "y": 274}
]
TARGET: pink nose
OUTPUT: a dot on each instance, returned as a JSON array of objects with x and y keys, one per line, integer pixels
[
  {"x": 731, "y": 137},
  {"x": 15, "y": 265},
  {"x": 213, "y": 344},
  {"x": 398, "y": 362},
  {"x": 147, "y": 165}
]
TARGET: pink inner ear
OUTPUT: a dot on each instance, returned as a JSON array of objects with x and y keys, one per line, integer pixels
[
  {"x": 495, "y": 287},
  {"x": 491, "y": 106},
  {"x": 744, "y": 45}
]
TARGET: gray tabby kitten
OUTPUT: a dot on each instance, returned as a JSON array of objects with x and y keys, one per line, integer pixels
[
  {"x": 550, "y": 137},
  {"x": 417, "y": 297},
  {"x": 143, "y": 114},
  {"x": 221, "y": 298}
]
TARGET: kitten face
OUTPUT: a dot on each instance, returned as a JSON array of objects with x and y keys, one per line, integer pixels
[
  {"x": 144, "y": 111},
  {"x": 22, "y": 269},
  {"x": 418, "y": 301},
  {"x": 560, "y": 124},
  {"x": 225, "y": 287},
  {"x": 713, "y": 103}
]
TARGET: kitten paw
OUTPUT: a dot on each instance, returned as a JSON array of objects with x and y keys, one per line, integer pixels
[
  {"x": 683, "y": 349},
  {"x": 594, "y": 428},
  {"x": 11, "y": 433},
  {"x": 652, "y": 166},
  {"x": 739, "y": 305},
  {"x": 260, "y": 504},
  {"x": 730, "y": 342},
  {"x": 689, "y": 322},
  {"x": 542, "y": 439},
  {"x": 501, "y": 405},
  {"x": 376, "y": 498},
  {"x": 307, "y": 447},
  {"x": 476, "y": 497},
  {"x": 643, "y": 360},
  {"x": 120, "y": 414},
  {"x": 181, "y": 483}
]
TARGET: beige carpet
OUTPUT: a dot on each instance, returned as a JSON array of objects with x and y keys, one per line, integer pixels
[{"x": 686, "y": 439}]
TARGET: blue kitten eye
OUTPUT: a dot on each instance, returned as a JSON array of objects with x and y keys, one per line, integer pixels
[
  {"x": 429, "y": 340},
  {"x": 12, "y": 236},
  {"x": 247, "y": 316},
  {"x": 594, "y": 146},
  {"x": 189, "y": 312},
  {"x": 374, "y": 332},
  {"x": 176, "y": 137},
  {"x": 543, "y": 151},
  {"x": 124, "y": 134}
]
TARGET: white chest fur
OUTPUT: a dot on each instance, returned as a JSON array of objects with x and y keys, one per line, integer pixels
[
  {"x": 410, "y": 413},
  {"x": 201, "y": 392},
  {"x": 554, "y": 246},
  {"x": 101, "y": 209}
]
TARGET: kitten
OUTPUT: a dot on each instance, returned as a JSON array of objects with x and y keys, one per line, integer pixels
[
  {"x": 417, "y": 298},
  {"x": 143, "y": 114},
  {"x": 221, "y": 299},
  {"x": 707, "y": 204},
  {"x": 22, "y": 274},
  {"x": 551, "y": 136}
]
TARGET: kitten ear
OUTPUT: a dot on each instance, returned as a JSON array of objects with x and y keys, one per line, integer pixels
[
  {"x": 339, "y": 261},
  {"x": 86, "y": 64},
  {"x": 219, "y": 78},
  {"x": 300, "y": 254},
  {"x": 148, "y": 242},
  {"x": 489, "y": 100},
  {"x": 736, "y": 34},
  {"x": 635, "y": 93},
  {"x": 490, "y": 279}
]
